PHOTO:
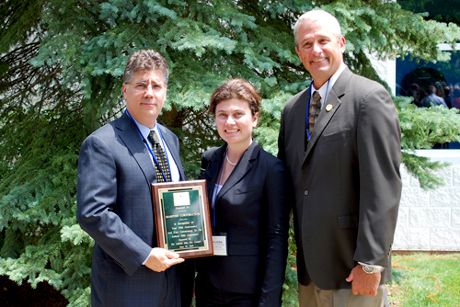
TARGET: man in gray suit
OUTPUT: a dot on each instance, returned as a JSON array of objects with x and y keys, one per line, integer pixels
[
  {"x": 344, "y": 166},
  {"x": 116, "y": 167}
]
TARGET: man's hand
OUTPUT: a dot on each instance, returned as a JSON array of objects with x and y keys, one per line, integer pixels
[
  {"x": 363, "y": 283},
  {"x": 161, "y": 259}
]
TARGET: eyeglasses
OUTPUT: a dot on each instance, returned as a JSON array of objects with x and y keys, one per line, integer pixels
[{"x": 144, "y": 86}]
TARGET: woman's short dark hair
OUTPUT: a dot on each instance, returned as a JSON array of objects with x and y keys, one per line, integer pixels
[{"x": 239, "y": 89}]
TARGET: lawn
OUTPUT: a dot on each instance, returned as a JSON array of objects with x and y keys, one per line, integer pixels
[
  {"x": 424, "y": 279},
  {"x": 419, "y": 279}
]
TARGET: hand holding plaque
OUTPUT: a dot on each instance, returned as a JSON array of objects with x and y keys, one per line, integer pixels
[{"x": 182, "y": 219}]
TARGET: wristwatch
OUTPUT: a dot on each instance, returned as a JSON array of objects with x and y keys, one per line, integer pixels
[{"x": 371, "y": 269}]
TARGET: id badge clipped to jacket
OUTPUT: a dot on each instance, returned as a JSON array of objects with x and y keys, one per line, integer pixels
[{"x": 220, "y": 245}]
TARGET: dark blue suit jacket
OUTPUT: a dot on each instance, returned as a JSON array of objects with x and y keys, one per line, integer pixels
[
  {"x": 114, "y": 201},
  {"x": 251, "y": 209}
]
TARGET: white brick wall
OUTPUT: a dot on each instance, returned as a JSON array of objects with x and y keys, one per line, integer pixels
[{"x": 430, "y": 220}]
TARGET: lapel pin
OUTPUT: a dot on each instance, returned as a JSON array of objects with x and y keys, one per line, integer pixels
[{"x": 329, "y": 107}]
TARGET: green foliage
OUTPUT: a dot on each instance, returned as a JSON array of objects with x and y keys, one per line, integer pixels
[
  {"x": 19, "y": 20},
  {"x": 424, "y": 127},
  {"x": 60, "y": 68},
  {"x": 447, "y": 12},
  {"x": 290, "y": 292},
  {"x": 421, "y": 128},
  {"x": 38, "y": 241}
]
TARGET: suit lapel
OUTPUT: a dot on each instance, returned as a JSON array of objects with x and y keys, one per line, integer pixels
[
  {"x": 169, "y": 140},
  {"x": 213, "y": 170},
  {"x": 241, "y": 169},
  {"x": 299, "y": 109},
  {"x": 130, "y": 136},
  {"x": 323, "y": 120},
  {"x": 325, "y": 117}
]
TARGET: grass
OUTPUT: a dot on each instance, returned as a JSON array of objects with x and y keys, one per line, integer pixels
[
  {"x": 419, "y": 280},
  {"x": 424, "y": 279}
]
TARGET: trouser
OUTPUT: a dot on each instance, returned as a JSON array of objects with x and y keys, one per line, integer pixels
[
  {"x": 312, "y": 296},
  {"x": 208, "y": 296}
]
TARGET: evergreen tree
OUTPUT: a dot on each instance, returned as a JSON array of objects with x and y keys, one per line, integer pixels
[{"x": 61, "y": 64}]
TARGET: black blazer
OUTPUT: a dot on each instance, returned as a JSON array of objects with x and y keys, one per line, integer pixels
[
  {"x": 347, "y": 182},
  {"x": 251, "y": 209}
]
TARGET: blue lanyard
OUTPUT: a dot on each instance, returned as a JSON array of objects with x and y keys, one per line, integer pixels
[
  {"x": 155, "y": 160},
  {"x": 213, "y": 205},
  {"x": 307, "y": 111},
  {"x": 214, "y": 196}
]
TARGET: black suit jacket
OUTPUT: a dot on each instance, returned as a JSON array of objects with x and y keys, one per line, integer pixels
[
  {"x": 251, "y": 210},
  {"x": 114, "y": 202},
  {"x": 347, "y": 182}
]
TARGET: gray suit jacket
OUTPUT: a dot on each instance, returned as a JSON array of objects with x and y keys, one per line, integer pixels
[
  {"x": 114, "y": 206},
  {"x": 347, "y": 182}
]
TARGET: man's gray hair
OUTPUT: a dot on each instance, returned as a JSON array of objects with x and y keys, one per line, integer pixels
[{"x": 318, "y": 15}]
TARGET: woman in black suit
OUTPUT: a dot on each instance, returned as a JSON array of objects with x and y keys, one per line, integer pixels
[{"x": 249, "y": 211}]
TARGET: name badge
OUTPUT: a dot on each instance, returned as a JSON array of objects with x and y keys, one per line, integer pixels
[{"x": 219, "y": 244}]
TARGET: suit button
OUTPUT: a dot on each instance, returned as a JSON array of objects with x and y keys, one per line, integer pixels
[{"x": 305, "y": 193}]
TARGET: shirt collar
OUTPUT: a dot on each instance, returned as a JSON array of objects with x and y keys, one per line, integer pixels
[
  {"x": 327, "y": 86},
  {"x": 322, "y": 90},
  {"x": 145, "y": 131},
  {"x": 337, "y": 74}
]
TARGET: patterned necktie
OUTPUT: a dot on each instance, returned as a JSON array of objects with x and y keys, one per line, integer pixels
[
  {"x": 315, "y": 108},
  {"x": 161, "y": 158}
]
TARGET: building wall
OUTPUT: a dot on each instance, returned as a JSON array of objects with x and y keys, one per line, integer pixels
[
  {"x": 430, "y": 220},
  {"x": 386, "y": 69}
]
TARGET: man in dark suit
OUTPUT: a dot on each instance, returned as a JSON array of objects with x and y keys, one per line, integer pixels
[
  {"x": 116, "y": 167},
  {"x": 344, "y": 165}
]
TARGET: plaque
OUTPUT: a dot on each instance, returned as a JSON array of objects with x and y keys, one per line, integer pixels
[{"x": 182, "y": 219}]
